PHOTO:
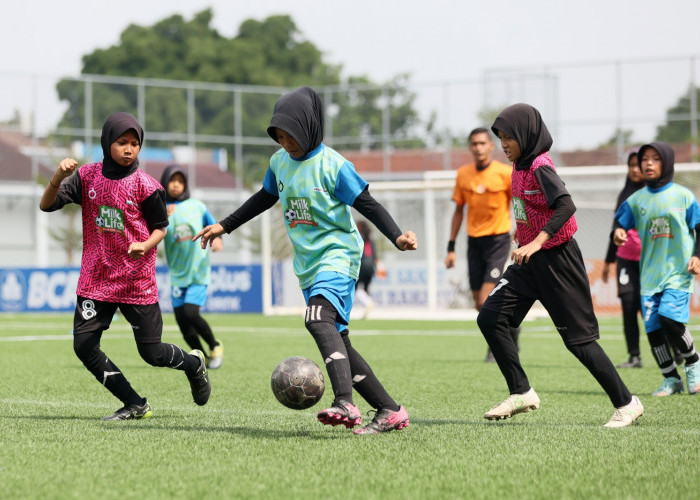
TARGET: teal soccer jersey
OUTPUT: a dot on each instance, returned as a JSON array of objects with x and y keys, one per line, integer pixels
[
  {"x": 316, "y": 193},
  {"x": 188, "y": 263},
  {"x": 665, "y": 219}
]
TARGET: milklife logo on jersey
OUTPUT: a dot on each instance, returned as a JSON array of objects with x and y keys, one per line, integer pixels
[
  {"x": 519, "y": 211},
  {"x": 183, "y": 232},
  {"x": 299, "y": 212},
  {"x": 110, "y": 219},
  {"x": 660, "y": 227}
]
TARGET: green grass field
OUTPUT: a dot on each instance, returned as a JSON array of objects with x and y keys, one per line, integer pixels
[{"x": 244, "y": 444}]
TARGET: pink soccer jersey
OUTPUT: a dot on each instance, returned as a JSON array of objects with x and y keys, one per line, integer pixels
[
  {"x": 531, "y": 209},
  {"x": 112, "y": 220}
]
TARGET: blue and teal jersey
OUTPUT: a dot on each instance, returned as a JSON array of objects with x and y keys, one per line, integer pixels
[
  {"x": 316, "y": 192},
  {"x": 188, "y": 263},
  {"x": 665, "y": 219}
]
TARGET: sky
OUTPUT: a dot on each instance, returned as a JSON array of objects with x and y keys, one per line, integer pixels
[{"x": 442, "y": 44}]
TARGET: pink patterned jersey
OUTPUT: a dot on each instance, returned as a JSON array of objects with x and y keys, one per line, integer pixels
[
  {"x": 112, "y": 220},
  {"x": 531, "y": 209},
  {"x": 631, "y": 250}
]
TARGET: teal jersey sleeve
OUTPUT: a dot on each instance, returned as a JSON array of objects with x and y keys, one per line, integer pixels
[
  {"x": 624, "y": 216},
  {"x": 349, "y": 185}
]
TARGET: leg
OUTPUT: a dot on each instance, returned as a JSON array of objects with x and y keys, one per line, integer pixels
[
  {"x": 188, "y": 331},
  {"x": 147, "y": 324},
  {"x": 364, "y": 380},
  {"x": 320, "y": 322},
  {"x": 87, "y": 348},
  {"x": 630, "y": 308},
  {"x": 91, "y": 318},
  {"x": 592, "y": 356},
  {"x": 504, "y": 309}
]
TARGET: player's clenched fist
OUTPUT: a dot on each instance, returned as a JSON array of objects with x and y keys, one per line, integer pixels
[{"x": 66, "y": 167}]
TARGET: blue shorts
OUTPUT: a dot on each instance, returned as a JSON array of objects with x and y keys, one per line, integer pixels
[
  {"x": 671, "y": 304},
  {"x": 193, "y": 294},
  {"x": 339, "y": 290}
]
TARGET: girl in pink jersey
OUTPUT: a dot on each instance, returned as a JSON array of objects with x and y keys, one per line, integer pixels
[
  {"x": 124, "y": 219},
  {"x": 547, "y": 266}
]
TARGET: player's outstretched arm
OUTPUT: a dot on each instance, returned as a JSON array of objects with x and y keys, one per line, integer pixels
[{"x": 209, "y": 234}]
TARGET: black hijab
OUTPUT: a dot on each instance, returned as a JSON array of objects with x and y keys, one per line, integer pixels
[
  {"x": 168, "y": 173},
  {"x": 115, "y": 126},
  {"x": 300, "y": 114},
  {"x": 667, "y": 157},
  {"x": 524, "y": 123},
  {"x": 630, "y": 185}
]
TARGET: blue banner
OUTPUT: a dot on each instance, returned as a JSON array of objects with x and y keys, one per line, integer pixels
[{"x": 233, "y": 289}]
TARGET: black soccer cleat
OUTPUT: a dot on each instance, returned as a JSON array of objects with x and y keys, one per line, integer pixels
[
  {"x": 199, "y": 382},
  {"x": 132, "y": 412}
]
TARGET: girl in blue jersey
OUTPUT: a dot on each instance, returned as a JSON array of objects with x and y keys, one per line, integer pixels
[
  {"x": 190, "y": 270},
  {"x": 317, "y": 186},
  {"x": 665, "y": 215}
]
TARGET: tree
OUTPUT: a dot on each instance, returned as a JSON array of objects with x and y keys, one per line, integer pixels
[
  {"x": 271, "y": 52},
  {"x": 677, "y": 128}
]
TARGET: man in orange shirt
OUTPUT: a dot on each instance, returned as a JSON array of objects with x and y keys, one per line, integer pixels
[{"x": 483, "y": 186}]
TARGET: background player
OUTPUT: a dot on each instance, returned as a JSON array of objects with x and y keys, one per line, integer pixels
[
  {"x": 483, "y": 187},
  {"x": 665, "y": 215},
  {"x": 188, "y": 263}
]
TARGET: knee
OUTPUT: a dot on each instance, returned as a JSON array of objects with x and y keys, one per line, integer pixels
[
  {"x": 85, "y": 347},
  {"x": 153, "y": 354},
  {"x": 487, "y": 321}
]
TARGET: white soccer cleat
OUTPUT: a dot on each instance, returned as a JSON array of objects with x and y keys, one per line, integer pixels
[
  {"x": 626, "y": 415},
  {"x": 514, "y": 404}
]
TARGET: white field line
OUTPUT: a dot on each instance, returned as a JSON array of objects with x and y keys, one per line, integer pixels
[{"x": 123, "y": 332}]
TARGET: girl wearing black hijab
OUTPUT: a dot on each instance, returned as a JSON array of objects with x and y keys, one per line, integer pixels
[
  {"x": 124, "y": 219},
  {"x": 317, "y": 186},
  {"x": 548, "y": 266},
  {"x": 626, "y": 259}
]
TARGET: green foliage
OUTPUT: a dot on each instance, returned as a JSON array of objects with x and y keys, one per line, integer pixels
[
  {"x": 244, "y": 444},
  {"x": 676, "y": 130},
  {"x": 271, "y": 52}
]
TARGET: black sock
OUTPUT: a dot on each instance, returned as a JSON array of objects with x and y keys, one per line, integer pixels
[
  {"x": 662, "y": 354},
  {"x": 365, "y": 381},
  {"x": 87, "y": 348}
]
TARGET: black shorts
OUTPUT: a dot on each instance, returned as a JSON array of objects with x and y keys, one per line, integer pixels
[
  {"x": 557, "y": 278},
  {"x": 628, "y": 277},
  {"x": 92, "y": 316},
  {"x": 486, "y": 258}
]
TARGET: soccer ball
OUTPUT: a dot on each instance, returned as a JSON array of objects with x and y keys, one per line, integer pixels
[
  {"x": 290, "y": 214},
  {"x": 298, "y": 383}
]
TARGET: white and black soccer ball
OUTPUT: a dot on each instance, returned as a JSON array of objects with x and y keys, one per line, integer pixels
[
  {"x": 298, "y": 383},
  {"x": 99, "y": 222},
  {"x": 290, "y": 214}
]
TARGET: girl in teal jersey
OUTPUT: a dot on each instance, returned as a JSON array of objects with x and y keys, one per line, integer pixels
[{"x": 317, "y": 186}]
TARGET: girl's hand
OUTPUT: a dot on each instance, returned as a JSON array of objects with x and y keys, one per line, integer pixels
[
  {"x": 694, "y": 265},
  {"x": 209, "y": 234},
  {"x": 407, "y": 241},
  {"x": 136, "y": 250},
  {"x": 620, "y": 236},
  {"x": 522, "y": 254}
]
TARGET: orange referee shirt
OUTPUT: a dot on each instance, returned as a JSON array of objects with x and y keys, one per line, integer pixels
[{"x": 487, "y": 195}]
